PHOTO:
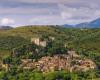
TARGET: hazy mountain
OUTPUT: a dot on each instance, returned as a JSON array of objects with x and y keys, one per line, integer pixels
[
  {"x": 5, "y": 27},
  {"x": 95, "y": 23},
  {"x": 68, "y": 26},
  {"x": 92, "y": 24},
  {"x": 82, "y": 25}
]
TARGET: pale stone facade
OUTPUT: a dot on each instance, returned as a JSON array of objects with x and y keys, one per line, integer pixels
[{"x": 39, "y": 42}]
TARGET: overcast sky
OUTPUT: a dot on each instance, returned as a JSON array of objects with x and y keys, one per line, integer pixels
[{"x": 48, "y": 12}]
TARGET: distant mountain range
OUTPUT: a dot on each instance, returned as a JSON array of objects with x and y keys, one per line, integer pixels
[
  {"x": 5, "y": 27},
  {"x": 92, "y": 24}
]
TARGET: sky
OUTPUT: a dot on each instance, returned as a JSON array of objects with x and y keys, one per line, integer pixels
[{"x": 48, "y": 12}]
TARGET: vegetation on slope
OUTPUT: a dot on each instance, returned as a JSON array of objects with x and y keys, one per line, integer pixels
[{"x": 85, "y": 41}]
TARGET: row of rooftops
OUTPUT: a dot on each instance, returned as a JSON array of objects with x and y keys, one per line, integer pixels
[{"x": 59, "y": 62}]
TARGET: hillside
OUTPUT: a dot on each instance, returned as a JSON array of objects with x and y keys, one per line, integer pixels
[
  {"x": 50, "y": 49},
  {"x": 81, "y": 37},
  {"x": 87, "y": 39},
  {"x": 26, "y": 33},
  {"x": 77, "y": 39}
]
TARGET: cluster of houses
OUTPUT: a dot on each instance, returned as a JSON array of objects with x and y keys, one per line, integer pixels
[
  {"x": 70, "y": 62},
  {"x": 84, "y": 65},
  {"x": 59, "y": 62}
]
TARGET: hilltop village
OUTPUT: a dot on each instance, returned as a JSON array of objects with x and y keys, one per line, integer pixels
[
  {"x": 58, "y": 63},
  {"x": 49, "y": 53},
  {"x": 56, "y": 59}
]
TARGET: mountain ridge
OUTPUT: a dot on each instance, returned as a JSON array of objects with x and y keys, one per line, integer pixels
[
  {"x": 5, "y": 27},
  {"x": 92, "y": 24}
]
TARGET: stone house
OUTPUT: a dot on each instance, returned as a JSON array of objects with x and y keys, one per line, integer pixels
[{"x": 39, "y": 42}]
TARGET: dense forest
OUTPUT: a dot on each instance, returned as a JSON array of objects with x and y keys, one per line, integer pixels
[{"x": 15, "y": 44}]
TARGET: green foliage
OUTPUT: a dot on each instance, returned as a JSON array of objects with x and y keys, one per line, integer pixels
[
  {"x": 85, "y": 41},
  {"x": 10, "y": 42},
  {"x": 7, "y": 60},
  {"x": 57, "y": 75}
]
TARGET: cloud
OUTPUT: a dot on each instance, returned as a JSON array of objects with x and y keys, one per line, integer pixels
[
  {"x": 43, "y": 20},
  {"x": 6, "y": 21},
  {"x": 65, "y": 15},
  {"x": 74, "y": 13},
  {"x": 49, "y": 11},
  {"x": 42, "y": 1}
]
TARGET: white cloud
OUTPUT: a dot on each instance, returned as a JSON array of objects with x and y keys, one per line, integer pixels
[
  {"x": 65, "y": 15},
  {"x": 6, "y": 21},
  {"x": 63, "y": 12},
  {"x": 72, "y": 13}
]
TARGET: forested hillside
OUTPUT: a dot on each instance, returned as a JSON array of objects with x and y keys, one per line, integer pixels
[
  {"x": 85, "y": 42},
  {"x": 80, "y": 38}
]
